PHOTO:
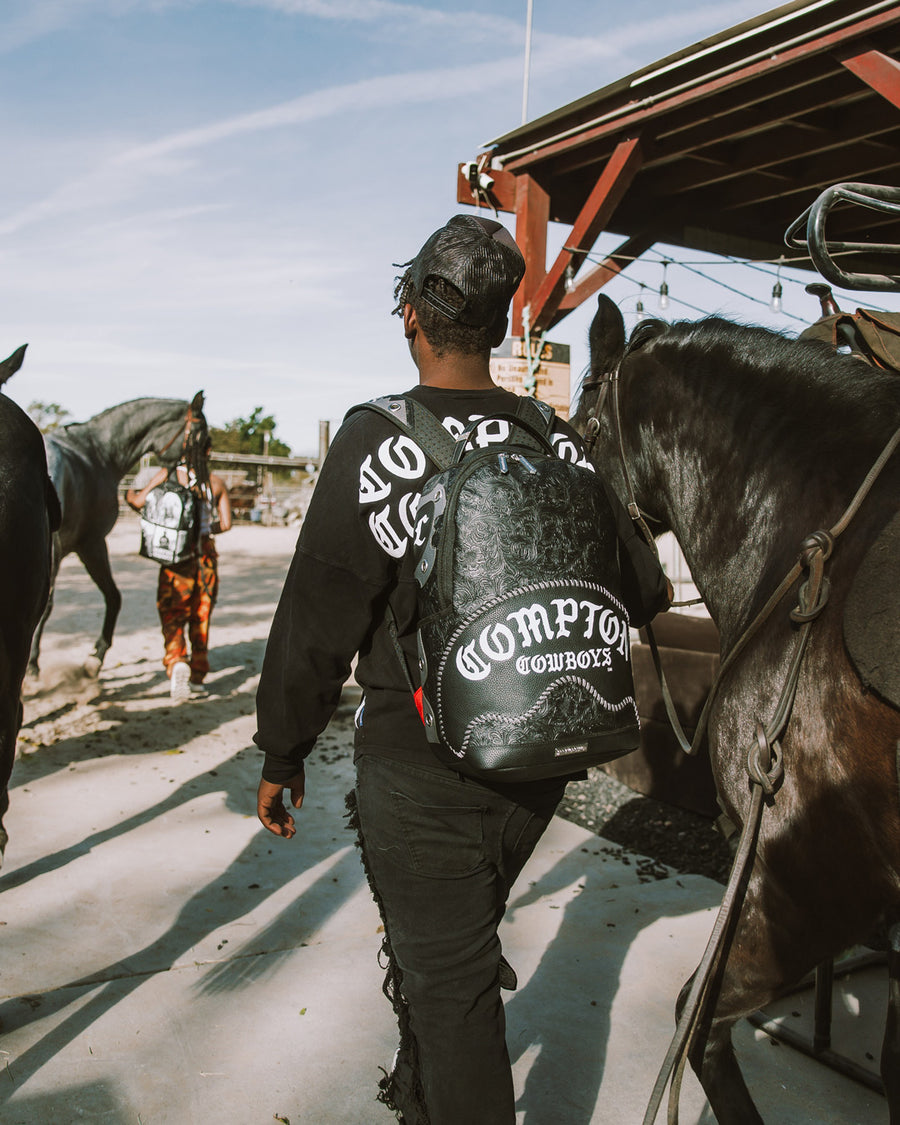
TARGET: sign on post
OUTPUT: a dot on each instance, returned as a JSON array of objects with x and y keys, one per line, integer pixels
[{"x": 509, "y": 369}]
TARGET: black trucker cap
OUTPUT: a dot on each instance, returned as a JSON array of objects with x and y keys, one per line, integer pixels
[{"x": 479, "y": 259}]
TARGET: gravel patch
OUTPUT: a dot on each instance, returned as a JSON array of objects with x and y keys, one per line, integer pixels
[{"x": 669, "y": 837}]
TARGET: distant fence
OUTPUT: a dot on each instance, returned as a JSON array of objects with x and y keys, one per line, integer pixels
[{"x": 255, "y": 495}]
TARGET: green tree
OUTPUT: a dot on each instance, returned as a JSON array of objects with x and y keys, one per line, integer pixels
[
  {"x": 247, "y": 435},
  {"x": 48, "y": 415}
]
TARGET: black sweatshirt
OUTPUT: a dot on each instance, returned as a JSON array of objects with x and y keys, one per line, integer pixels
[{"x": 353, "y": 558}]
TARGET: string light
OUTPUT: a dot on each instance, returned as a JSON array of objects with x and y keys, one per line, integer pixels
[
  {"x": 639, "y": 310},
  {"x": 664, "y": 289},
  {"x": 678, "y": 301},
  {"x": 722, "y": 260},
  {"x": 570, "y": 278},
  {"x": 776, "y": 304}
]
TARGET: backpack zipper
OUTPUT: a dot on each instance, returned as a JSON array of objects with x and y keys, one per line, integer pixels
[{"x": 524, "y": 462}]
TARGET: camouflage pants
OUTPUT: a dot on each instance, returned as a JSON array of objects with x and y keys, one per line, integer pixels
[{"x": 185, "y": 597}]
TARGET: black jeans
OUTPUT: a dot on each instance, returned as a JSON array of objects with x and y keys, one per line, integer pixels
[{"x": 443, "y": 852}]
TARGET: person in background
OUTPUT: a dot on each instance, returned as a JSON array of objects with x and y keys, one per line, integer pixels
[{"x": 187, "y": 590}]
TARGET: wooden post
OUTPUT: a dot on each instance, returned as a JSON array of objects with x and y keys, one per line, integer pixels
[
  {"x": 532, "y": 217},
  {"x": 324, "y": 441}
]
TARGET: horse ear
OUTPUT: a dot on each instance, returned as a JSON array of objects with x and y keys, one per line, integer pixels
[
  {"x": 197, "y": 401},
  {"x": 606, "y": 336},
  {"x": 11, "y": 364}
]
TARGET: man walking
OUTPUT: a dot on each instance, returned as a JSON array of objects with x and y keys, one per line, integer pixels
[{"x": 441, "y": 851}]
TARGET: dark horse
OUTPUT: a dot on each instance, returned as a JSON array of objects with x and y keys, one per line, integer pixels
[
  {"x": 29, "y": 514},
  {"x": 87, "y": 460},
  {"x": 743, "y": 442}
]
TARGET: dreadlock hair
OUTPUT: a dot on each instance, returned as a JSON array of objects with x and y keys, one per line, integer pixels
[
  {"x": 443, "y": 334},
  {"x": 195, "y": 455}
]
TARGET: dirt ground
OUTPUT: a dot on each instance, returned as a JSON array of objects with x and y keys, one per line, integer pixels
[{"x": 128, "y": 707}]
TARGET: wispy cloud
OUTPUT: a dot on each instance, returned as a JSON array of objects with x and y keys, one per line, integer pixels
[
  {"x": 118, "y": 176},
  {"x": 381, "y": 11},
  {"x": 24, "y": 21},
  {"x": 127, "y": 170}
]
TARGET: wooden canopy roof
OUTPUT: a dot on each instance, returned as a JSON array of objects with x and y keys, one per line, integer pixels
[{"x": 717, "y": 148}]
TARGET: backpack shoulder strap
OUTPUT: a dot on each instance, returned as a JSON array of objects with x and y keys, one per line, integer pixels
[
  {"x": 539, "y": 414},
  {"x": 418, "y": 422}
]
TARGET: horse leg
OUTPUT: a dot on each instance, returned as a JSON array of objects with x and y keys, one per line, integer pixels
[
  {"x": 95, "y": 558},
  {"x": 769, "y": 951},
  {"x": 32, "y": 668},
  {"x": 715, "y": 1064},
  {"x": 10, "y": 721},
  {"x": 890, "y": 1050}
]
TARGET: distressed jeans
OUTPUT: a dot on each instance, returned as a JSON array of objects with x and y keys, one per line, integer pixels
[{"x": 442, "y": 853}]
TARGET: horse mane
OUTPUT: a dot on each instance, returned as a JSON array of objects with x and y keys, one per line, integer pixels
[
  {"x": 177, "y": 404},
  {"x": 786, "y": 382}
]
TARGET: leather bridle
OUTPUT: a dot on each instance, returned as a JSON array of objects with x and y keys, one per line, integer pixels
[
  {"x": 609, "y": 382},
  {"x": 184, "y": 431}
]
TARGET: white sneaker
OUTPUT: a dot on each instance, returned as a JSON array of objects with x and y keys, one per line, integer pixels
[{"x": 180, "y": 686}]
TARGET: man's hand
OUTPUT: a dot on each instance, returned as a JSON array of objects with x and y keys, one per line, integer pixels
[{"x": 270, "y": 804}]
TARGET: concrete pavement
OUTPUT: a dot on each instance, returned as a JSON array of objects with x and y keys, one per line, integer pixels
[{"x": 165, "y": 962}]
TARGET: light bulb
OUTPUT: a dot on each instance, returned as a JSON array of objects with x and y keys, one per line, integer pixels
[
  {"x": 570, "y": 278},
  {"x": 664, "y": 288},
  {"x": 776, "y": 304}
]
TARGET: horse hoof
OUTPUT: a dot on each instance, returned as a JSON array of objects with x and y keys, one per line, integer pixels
[{"x": 92, "y": 666}]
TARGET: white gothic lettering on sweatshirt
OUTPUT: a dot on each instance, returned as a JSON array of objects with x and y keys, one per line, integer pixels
[{"x": 392, "y": 476}]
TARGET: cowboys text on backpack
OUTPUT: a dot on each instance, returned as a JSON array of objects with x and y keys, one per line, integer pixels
[
  {"x": 524, "y": 658},
  {"x": 169, "y": 522}
]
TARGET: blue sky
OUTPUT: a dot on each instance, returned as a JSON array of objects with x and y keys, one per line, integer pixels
[{"x": 212, "y": 193}]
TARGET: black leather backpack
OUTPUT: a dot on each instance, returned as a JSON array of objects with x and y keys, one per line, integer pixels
[{"x": 524, "y": 656}]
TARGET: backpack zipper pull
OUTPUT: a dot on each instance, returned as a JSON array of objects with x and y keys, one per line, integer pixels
[
  {"x": 525, "y": 463},
  {"x": 504, "y": 464}
]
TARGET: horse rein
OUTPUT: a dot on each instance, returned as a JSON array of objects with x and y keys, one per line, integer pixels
[{"x": 765, "y": 766}]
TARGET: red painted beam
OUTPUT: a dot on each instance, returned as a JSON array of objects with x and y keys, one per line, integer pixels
[
  {"x": 611, "y": 185},
  {"x": 879, "y": 71},
  {"x": 603, "y": 273}
]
